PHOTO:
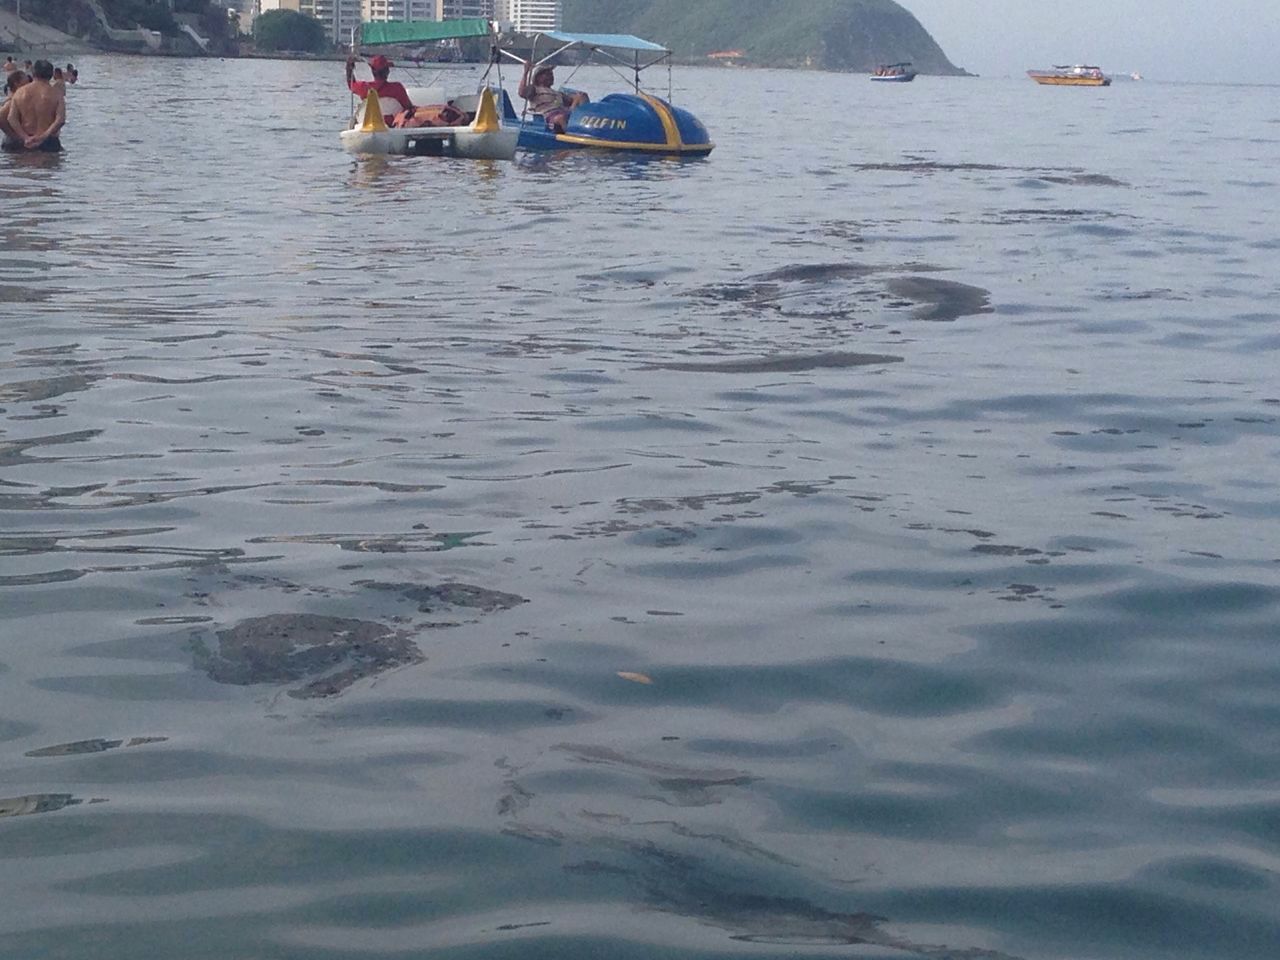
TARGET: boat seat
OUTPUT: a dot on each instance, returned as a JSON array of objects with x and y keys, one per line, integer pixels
[
  {"x": 468, "y": 103},
  {"x": 387, "y": 105}
]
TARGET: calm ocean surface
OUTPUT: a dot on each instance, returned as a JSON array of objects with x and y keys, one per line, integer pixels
[{"x": 862, "y": 543}]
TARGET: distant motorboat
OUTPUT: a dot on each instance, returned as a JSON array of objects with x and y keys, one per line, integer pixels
[
  {"x": 894, "y": 72},
  {"x": 1078, "y": 75}
]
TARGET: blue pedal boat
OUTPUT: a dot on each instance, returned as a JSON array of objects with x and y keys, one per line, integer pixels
[{"x": 635, "y": 122}]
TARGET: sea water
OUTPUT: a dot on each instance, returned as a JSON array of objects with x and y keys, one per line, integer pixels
[{"x": 860, "y": 543}]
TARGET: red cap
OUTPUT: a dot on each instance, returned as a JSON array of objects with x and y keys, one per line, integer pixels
[{"x": 379, "y": 62}]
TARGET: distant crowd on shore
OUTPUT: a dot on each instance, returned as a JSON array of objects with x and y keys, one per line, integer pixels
[{"x": 34, "y": 110}]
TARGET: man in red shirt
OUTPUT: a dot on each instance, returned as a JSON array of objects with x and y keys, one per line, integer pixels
[{"x": 380, "y": 85}]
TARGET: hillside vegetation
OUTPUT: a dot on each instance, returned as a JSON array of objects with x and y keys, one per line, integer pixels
[
  {"x": 104, "y": 23},
  {"x": 826, "y": 34}
]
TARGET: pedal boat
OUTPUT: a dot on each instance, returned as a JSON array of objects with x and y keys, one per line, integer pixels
[
  {"x": 635, "y": 122},
  {"x": 484, "y": 135}
]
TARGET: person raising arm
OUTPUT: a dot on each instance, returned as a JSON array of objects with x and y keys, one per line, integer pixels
[
  {"x": 537, "y": 86},
  {"x": 380, "y": 85}
]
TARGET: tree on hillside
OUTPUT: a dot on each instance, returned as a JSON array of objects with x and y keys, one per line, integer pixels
[{"x": 288, "y": 30}]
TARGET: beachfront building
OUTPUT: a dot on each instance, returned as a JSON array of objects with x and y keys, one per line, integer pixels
[
  {"x": 339, "y": 17},
  {"x": 378, "y": 10},
  {"x": 530, "y": 16},
  {"x": 456, "y": 9},
  {"x": 374, "y": 11}
]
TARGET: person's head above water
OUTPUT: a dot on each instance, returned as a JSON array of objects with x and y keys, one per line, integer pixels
[
  {"x": 42, "y": 70},
  {"x": 16, "y": 79}
]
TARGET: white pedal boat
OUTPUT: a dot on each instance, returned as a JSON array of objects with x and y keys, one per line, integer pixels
[{"x": 484, "y": 138}]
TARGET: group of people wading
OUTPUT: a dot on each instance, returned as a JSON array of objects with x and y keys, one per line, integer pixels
[{"x": 35, "y": 106}]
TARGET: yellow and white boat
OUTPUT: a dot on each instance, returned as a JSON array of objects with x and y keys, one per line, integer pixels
[
  {"x": 482, "y": 137},
  {"x": 474, "y": 127},
  {"x": 1079, "y": 75}
]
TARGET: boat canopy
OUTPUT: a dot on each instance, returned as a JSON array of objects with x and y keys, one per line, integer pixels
[
  {"x": 421, "y": 31},
  {"x": 617, "y": 49},
  {"x": 607, "y": 41}
]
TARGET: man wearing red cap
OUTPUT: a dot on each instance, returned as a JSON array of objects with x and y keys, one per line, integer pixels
[{"x": 380, "y": 85}]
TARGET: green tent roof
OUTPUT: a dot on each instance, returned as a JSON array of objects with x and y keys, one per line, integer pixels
[{"x": 421, "y": 31}]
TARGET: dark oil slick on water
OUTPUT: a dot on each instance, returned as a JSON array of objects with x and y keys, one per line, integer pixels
[{"x": 859, "y": 544}]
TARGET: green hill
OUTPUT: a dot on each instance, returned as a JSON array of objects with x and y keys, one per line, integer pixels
[{"x": 825, "y": 34}]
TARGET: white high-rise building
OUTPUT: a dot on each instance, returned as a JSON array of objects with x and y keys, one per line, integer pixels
[
  {"x": 339, "y": 17},
  {"x": 530, "y": 16},
  {"x": 456, "y": 9},
  {"x": 381, "y": 10}
]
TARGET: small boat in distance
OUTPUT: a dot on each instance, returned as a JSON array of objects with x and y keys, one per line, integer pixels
[
  {"x": 894, "y": 72},
  {"x": 1079, "y": 75}
]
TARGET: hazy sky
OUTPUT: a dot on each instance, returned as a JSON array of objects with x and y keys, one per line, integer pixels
[{"x": 1213, "y": 40}]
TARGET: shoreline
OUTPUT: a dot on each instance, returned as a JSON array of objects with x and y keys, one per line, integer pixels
[{"x": 338, "y": 57}]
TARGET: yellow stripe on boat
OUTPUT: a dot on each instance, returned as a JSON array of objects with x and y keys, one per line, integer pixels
[
  {"x": 668, "y": 121},
  {"x": 633, "y": 145}
]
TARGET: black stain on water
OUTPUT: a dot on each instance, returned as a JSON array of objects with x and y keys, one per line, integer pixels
[
  {"x": 1084, "y": 180},
  {"x": 797, "y": 363},
  {"x": 431, "y": 598},
  {"x": 1005, "y": 550},
  {"x": 78, "y": 746},
  {"x": 844, "y": 290},
  {"x": 817, "y": 272},
  {"x": 46, "y": 388},
  {"x": 678, "y": 883},
  {"x": 36, "y": 803},
  {"x": 941, "y": 299},
  {"x": 929, "y": 166},
  {"x": 328, "y": 653},
  {"x": 96, "y": 745}
]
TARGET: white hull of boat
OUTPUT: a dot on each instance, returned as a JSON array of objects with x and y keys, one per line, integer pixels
[
  {"x": 434, "y": 141},
  {"x": 486, "y": 138}
]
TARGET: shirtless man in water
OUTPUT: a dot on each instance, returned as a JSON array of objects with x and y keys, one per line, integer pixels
[{"x": 34, "y": 115}]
